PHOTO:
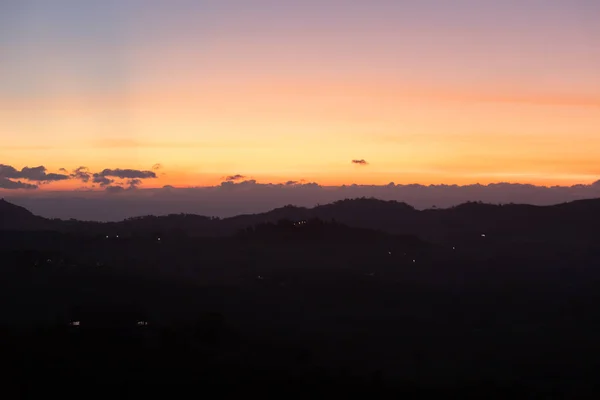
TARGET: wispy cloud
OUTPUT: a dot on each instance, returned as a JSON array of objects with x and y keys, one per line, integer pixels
[
  {"x": 360, "y": 162},
  {"x": 134, "y": 183},
  {"x": 102, "y": 180},
  {"x": 114, "y": 189},
  {"x": 235, "y": 178},
  {"x": 124, "y": 143},
  {"x": 27, "y": 148},
  {"x": 82, "y": 174}
]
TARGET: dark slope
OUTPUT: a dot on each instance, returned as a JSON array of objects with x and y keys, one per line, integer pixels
[
  {"x": 570, "y": 221},
  {"x": 516, "y": 306},
  {"x": 13, "y": 217},
  {"x": 573, "y": 221}
]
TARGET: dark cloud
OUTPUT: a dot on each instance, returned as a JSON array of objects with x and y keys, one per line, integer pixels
[
  {"x": 119, "y": 187},
  {"x": 126, "y": 174},
  {"x": 6, "y": 171},
  {"x": 84, "y": 189},
  {"x": 102, "y": 180},
  {"x": 233, "y": 178},
  {"x": 251, "y": 185},
  {"x": 13, "y": 185},
  {"x": 233, "y": 198},
  {"x": 157, "y": 167},
  {"x": 39, "y": 174},
  {"x": 82, "y": 174},
  {"x": 114, "y": 189},
  {"x": 36, "y": 174},
  {"x": 360, "y": 162},
  {"x": 63, "y": 170},
  {"x": 10, "y": 177},
  {"x": 106, "y": 177},
  {"x": 134, "y": 183}
]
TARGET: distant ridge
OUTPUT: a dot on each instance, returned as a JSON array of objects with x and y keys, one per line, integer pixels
[{"x": 566, "y": 221}]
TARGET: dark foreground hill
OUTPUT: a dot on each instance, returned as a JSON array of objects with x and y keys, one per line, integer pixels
[
  {"x": 13, "y": 217},
  {"x": 307, "y": 302}
]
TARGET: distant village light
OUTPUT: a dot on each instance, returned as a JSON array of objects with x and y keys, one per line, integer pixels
[{"x": 75, "y": 323}]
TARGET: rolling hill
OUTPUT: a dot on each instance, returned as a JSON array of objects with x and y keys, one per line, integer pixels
[{"x": 563, "y": 222}]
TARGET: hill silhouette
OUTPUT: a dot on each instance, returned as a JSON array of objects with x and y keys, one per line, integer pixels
[
  {"x": 568, "y": 221},
  {"x": 13, "y": 217},
  {"x": 359, "y": 290}
]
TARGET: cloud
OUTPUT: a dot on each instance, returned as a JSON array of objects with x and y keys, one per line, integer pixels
[
  {"x": 360, "y": 162},
  {"x": 125, "y": 143},
  {"x": 234, "y": 198},
  {"x": 36, "y": 174},
  {"x": 126, "y": 174},
  {"x": 83, "y": 189},
  {"x": 134, "y": 183},
  {"x": 10, "y": 176},
  {"x": 13, "y": 185},
  {"x": 232, "y": 178},
  {"x": 82, "y": 174},
  {"x": 157, "y": 167},
  {"x": 63, "y": 170},
  {"x": 6, "y": 171},
  {"x": 39, "y": 174},
  {"x": 252, "y": 185},
  {"x": 114, "y": 189},
  {"x": 102, "y": 180}
]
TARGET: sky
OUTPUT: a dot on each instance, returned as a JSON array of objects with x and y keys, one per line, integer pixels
[{"x": 148, "y": 93}]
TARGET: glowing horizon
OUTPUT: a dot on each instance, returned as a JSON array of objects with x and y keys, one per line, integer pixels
[{"x": 425, "y": 92}]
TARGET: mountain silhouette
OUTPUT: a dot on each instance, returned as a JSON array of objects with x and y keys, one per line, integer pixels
[
  {"x": 13, "y": 217},
  {"x": 473, "y": 293},
  {"x": 468, "y": 221}
]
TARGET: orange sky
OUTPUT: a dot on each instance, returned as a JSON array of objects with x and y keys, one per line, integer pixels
[{"x": 274, "y": 104}]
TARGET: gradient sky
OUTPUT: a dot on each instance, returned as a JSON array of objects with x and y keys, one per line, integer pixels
[{"x": 426, "y": 91}]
